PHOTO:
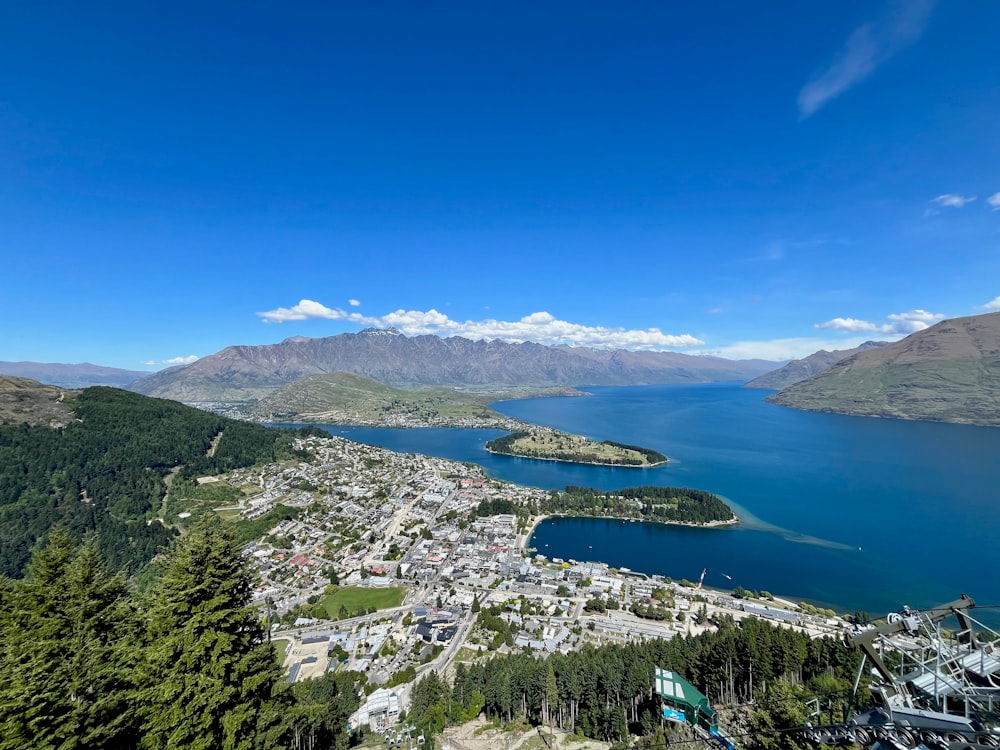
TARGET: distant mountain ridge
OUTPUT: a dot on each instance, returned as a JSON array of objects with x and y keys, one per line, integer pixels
[
  {"x": 80, "y": 375},
  {"x": 799, "y": 369},
  {"x": 389, "y": 357},
  {"x": 949, "y": 372}
]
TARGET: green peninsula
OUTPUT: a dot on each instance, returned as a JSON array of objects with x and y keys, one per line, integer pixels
[
  {"x": 662, "y": 504},
  {"x": 552, "y": 445},
  {"x": 671, "y": 505}
]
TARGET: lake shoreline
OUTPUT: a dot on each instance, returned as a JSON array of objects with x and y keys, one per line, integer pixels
[{"x": 536, "y": 521}]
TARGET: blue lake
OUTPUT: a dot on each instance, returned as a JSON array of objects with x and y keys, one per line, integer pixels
[{"x": 852, "y": 512}]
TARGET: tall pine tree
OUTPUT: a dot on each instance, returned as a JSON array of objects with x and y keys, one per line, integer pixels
[
  {"x": 64, "y": 675},
  {"x": 208, "y": 674}
]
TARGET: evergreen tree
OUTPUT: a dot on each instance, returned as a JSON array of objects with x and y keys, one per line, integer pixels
[
  {"x": 320, "y": 713},
  {"x": 208, "y": 675},
  {"x": 64, "y": 677}
]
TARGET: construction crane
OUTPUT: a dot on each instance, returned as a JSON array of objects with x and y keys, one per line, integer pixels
[{"x": 701, "y": 580}]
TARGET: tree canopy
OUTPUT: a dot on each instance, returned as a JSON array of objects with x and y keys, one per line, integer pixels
[
  {"x": 105, "y": 472},
  {"x": 86, "y": 663}
]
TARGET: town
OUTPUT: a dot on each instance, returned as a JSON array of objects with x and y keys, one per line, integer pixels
[{"x": 386, "y": 565}]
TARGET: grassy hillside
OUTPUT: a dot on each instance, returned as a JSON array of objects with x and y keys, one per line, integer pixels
[
  {"x": 949, "y": 372},
  {"x": 346, "y": 398},
  {"x": 24, "y": 401},
  {"x": 950, "y": 391},
  {"x": 800, "y": 369}
]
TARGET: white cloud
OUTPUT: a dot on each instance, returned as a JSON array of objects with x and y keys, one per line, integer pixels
[
  {"x": 900, "y": 324},
  {"x": 992, "y": 305},
  {"x": 868, "y": 46},
  {"x": 994, "y": 201},
  {"x": 303, "y": 311},
  {"x": 354, "y": 302},
  {"x": 951, "y": 200},
  {"x": 172, "y": 361},
  {"x": 539, "y": 327},
  {"x": 780, "y": 349},
  {"x": 847, "y": 324}
]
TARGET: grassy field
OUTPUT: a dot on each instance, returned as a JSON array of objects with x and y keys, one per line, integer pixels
[
  {"x": 358, "y": 600},
  {"x": 467, "y": 654},
  {"x": 280, "y": 646}
]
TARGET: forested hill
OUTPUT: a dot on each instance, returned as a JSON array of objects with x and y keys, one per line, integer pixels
[{"x": 105, "y": 471}]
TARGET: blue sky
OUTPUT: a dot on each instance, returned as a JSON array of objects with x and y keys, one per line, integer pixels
[{"x": 746, "y": 179}]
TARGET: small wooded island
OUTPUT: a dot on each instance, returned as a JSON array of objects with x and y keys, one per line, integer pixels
[{"x": 552, "y": 445}]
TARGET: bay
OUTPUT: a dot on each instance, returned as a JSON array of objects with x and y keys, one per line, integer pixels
[{"x": 850, "y": 512}]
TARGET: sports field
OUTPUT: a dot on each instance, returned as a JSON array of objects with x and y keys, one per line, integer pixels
[{"x": 358, "y": 600}]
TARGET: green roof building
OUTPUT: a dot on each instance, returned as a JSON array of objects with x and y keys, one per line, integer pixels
[{"x": 683, "y": 702}]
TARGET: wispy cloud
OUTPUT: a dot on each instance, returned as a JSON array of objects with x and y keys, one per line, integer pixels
[
  {"x": 952, "y": 200},
  {"x": 540, "y": 327},
  {"x": 992, "y": 306},
  {"x": 780, "y": 349},
  {"x": 354, "y": 302},
  {"x": 868, "y": 46},
  {"x": 172, "y": 361},
  {"x": 994, "y": 201},
  {"x": 900, "y": 324}
]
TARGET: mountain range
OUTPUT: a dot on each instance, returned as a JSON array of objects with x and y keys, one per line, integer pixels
[
  {"x": 949, "y": 372},
  {"x": 801, "y": 369},
  {"x": 80, "y": 375},
  {"x": 389, "y": 357}
]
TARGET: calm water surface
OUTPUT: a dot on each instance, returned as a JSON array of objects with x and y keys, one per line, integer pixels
[{"x": 848, "y": 511}]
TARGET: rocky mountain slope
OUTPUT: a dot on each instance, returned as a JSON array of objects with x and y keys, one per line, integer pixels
[
  {"x": 24, "y": 401},
  {"x": 80, "y": 375},
  {"x": 244, "y": 372},
  {"x": 799, "y": 369},
  {"x": 949, "y": 372}
]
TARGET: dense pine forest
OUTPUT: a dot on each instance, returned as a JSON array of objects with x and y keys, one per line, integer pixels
[
  {"x": 106, "y": 471},
  {"x": 607, "y": 692},
  {"x": 85, "y": 663}
]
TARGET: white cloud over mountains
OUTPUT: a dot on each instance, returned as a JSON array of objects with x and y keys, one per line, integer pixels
[
  {"x": 539, "y": 327},
  {"x": 900, "y": 324},
  {"x": 993, "y": 305},
  {"x": 173, "y": 360},
  {"x": 867, "y": 47},
  {"x": 781, "y": 349}
]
